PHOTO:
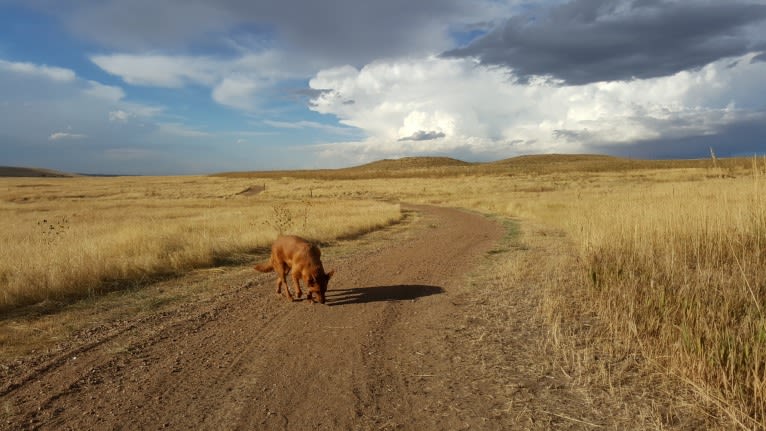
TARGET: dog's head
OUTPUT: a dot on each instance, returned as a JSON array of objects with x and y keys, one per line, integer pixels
[{"x": 318, "y": 285}]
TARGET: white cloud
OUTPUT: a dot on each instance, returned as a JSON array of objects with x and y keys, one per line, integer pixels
[
  {"x": 485, "y": 112},
  {"x": 234, "y": 82},
  {"x": 106, "y": 92},
  {"x": 57, "y": 136},
  {"x": 52, "y": 73},
  {"x": 236, "y": 92},
  {"x": 158, "y": 70},
  {"x": 119, "y": 116}
]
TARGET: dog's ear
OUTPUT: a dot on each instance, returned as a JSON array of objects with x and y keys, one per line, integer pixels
[{"x": 330, "y": 274}]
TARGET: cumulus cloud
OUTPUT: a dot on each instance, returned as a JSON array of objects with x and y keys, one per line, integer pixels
[
  {"x": 260, "y": 44},
  {"x": 480, "y": 80},
  {"x": 584, "y": 41},
  {"x": 483, "y": 113}
]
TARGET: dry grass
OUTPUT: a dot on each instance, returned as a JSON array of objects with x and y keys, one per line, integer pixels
[
  {"x": 75, "y": 237},
  {"x": 668, "y": 270},
  {"x": 671, "y": 266},
  {"x": 592, "y": 378},
  {"x": 679, "y": 270}
]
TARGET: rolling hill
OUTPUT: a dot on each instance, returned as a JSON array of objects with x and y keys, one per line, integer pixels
[
  {"x": 14, "y": 171},
  {"x": 429, "y": 167}
]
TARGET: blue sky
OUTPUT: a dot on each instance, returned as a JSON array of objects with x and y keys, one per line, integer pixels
[{"x": 181, "y": 87}]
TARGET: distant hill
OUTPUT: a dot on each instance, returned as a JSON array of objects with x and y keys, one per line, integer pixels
[
  {"x": 407, "y": 166},
  {"x": 409, "y": 163},
  {"x": 547, "y": 159},
  {"x": 547, "y": 163},
  {"x": 13, "y": 171},
  {"x": 387, "y": 168},
  {"x": 430, "y": 167}
]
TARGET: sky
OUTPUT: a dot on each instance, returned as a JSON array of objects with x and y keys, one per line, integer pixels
[{"x": 201, "y": 86}]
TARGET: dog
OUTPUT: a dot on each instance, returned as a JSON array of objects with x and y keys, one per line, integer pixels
[{"x": 294, "y": 254}]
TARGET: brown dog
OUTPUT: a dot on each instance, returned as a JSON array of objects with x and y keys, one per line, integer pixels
[{"x": 292, "y": 253}]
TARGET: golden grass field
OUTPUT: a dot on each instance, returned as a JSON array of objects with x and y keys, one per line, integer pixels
[
  {"x": 671, "y": 255},
  {"x": 78, "y": 236}
]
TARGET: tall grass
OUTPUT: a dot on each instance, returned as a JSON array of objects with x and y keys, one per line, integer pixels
[
  {"x": 680, "y": 270},
  {"x": 74, "y": 237}
]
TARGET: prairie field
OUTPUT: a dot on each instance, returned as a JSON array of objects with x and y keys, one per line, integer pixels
[
  {"x": 669, "y": 257},
  {"x": 73, "y": 237},
  {"x": 672, "y": 258}
]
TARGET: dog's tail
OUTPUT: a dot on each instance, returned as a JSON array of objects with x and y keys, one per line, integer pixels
[{"x": 264, "y": 267}]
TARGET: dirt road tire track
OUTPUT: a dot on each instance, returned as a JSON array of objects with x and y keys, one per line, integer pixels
[{"x": 376, "y": 357}]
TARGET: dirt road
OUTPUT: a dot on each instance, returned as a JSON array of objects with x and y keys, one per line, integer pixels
[
  {"x": 379, "y": 355},
  {"x": 433, "y": 324}
]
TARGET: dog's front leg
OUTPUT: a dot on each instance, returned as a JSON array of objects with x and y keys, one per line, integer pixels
[
  {"x": 287, "y": 288},
  {"x": 297, "y": 282}
]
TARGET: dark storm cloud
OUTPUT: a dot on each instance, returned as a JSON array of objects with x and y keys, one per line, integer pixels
[
  {"x": 422, "y": 135},
  {"x": 327, "y": 32},
  {"x": 740, "y": 139},
  {"x": 586, "y": 41}
]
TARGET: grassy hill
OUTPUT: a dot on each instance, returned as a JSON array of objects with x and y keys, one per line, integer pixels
[
  {"x": 388, "y": 168},
  {"x": 405, "y": 163},
  {"x": 408, "y": 166},
  {"x": 13, "y": 171},
  {"x": 433, "y": 167}
]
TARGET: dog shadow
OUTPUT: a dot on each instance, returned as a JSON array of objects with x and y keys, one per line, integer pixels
[{"x": 399, "y": 292}]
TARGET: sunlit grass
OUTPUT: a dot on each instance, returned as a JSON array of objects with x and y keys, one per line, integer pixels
[
  {"x": 673, "y": 260},
  {"x": 672, "y": 255},
  {"x": 74, "y": 237},
  {"x": 680, "y": 270}
]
